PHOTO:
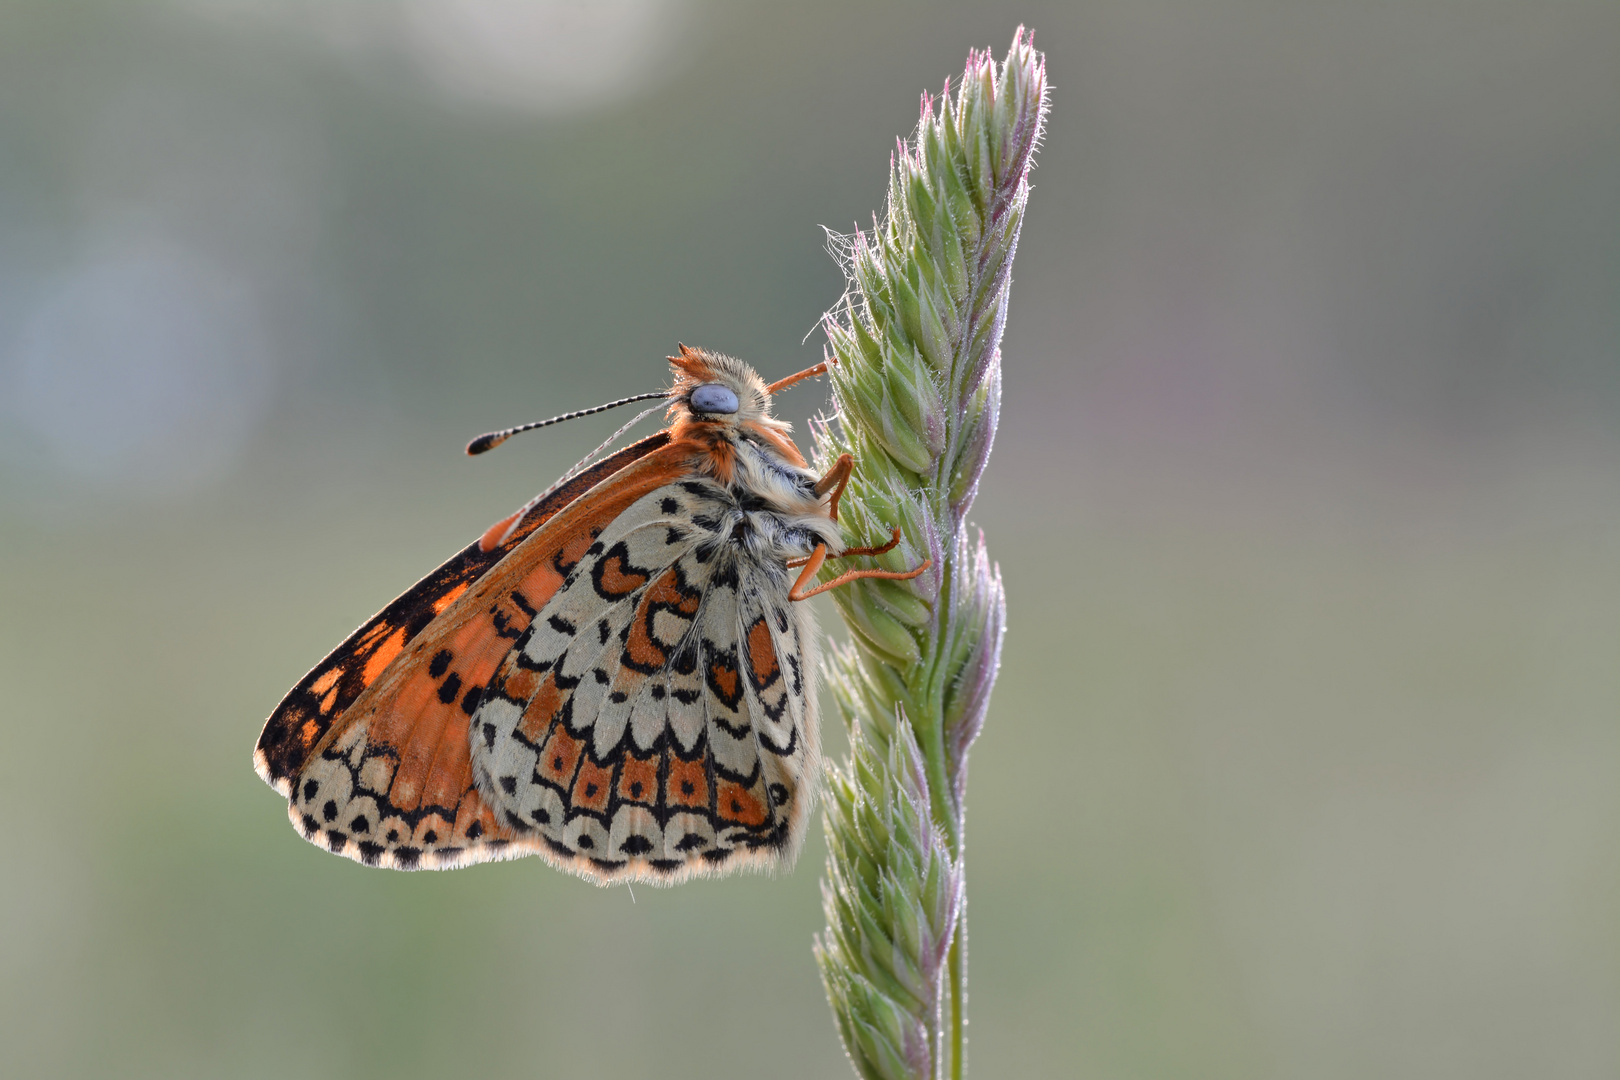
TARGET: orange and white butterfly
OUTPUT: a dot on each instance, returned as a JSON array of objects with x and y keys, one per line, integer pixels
[{"x": 618, "y": 678}]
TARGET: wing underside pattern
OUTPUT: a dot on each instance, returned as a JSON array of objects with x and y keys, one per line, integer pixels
[
  {"x": 636, "y": 731},
  {"x": 626, "y": 697}
]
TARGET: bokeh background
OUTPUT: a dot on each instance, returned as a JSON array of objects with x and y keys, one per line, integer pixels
[{"x": 1305, "y": 758}]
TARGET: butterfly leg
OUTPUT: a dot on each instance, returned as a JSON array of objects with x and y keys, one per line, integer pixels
[
  {"x": 819, "y": 556},
  {"x": 847, "y": 552},
  {"x": 894, "y": 542},
  {"x": 807, "y": 373},
  {"x": 835, "y": 480}
]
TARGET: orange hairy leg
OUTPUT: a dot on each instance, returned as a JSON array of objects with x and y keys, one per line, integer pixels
[
  {"x": 814, "y": 563},
  {"x": 894, "y": 542},
  {"x": 807, "y": 373},
  {"x": 835, "y": 481}
]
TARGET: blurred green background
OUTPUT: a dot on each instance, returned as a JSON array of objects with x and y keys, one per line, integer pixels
[{"x": 1305, "y": 758}]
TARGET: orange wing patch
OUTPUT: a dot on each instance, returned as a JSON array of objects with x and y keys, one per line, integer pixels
[
  {"x": 638, "y": 779},
  {"x": 592, "y": 787},
  {"x": 738, "y": 805},
  {"x": 761, "y": 655},
  {"x": 559, "y": 757},
  {"x": 688, "y": 784}
]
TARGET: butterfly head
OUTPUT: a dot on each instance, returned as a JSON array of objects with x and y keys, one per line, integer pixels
[
  {"x": 719, "y": 401},
  {"x": 712, "y": 388}
]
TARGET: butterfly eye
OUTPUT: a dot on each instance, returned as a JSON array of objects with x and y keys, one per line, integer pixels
[{"x": 714, "y": 398}]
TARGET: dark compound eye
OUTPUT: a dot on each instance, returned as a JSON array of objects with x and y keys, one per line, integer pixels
[{"x": 714, "y": 398}]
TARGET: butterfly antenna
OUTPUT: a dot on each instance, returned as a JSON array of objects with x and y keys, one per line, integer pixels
[
  {"x": 510, "y": 524},
  {"x": 494, "y": 438}
]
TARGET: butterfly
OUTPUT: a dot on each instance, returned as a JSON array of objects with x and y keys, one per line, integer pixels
[{"x": 619, "y": 677}]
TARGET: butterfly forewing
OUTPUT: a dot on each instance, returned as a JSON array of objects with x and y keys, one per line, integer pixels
[
  {"x": 390, "y": 781},
  {"x": 321, "y": 697}
]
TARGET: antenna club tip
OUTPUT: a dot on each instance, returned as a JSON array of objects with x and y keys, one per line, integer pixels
[{"x": 485, "y": 442}]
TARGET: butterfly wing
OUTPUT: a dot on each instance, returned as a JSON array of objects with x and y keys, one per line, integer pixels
[
  {"x": 655, "y": 721},
  {"x": 371, "y": 747}
]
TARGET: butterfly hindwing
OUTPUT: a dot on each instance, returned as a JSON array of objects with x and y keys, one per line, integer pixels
[{"x": 622, "y": 733}]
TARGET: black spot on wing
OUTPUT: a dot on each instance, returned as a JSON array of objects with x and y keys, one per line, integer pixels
[{"x": 503, "y": 625}]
